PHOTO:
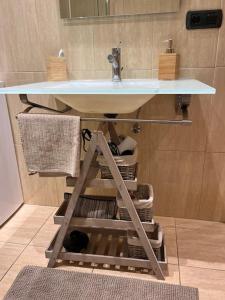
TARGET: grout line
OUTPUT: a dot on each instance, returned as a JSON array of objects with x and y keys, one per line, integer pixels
[
  {"x": 177, "y": 150},
  {"x": 202, "y": 181},
  {"x": 1, "y": 278},
  {"x": 178, "y": 258},
  {"x": 26, "y": 246},
  {"x": 201, "y": 268}
]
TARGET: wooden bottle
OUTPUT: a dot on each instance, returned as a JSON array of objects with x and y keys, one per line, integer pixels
[{"x": 169, "y": 63}]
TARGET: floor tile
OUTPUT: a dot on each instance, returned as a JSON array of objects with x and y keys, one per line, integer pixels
[
  {"x": 8, "y": 255},
  {"x": 171, "y": 245},
  {"x": 165, "y": 221},
  {"x": 17, "y": 235},
  {"x": 28, "y": 209},
  {"x": 75, "y": 267},
  {"x": 32, "y": 255},
  {"x": 196, "y": 224},
  {"x": 6, "y": 282},
  {"x": 173, "y": 276},
  {"x": 211, "y": 283},
  {"x": 202, "y": 246},
  {"x": 22, "y": 227},
  {"x": 45, "y": 235}
]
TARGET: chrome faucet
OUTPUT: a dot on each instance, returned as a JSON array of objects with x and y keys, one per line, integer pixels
[{"x": 115, "y": 60}]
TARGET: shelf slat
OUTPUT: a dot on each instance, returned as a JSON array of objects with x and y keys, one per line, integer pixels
[
  {"x": 105, "y": 224},
  {"x": 99, "y": 223},
  {"x": 103, "y": 183},
  {"x": 109, "y": 258}
]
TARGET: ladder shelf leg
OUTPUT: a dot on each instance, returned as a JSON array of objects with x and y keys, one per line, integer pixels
[
  {"x": 130, "y": 206},
  {"x": 79, "y": 187}
]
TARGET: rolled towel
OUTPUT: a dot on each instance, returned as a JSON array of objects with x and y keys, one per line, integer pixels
[
  {"x": 51, "y": 143},
  {"x": 128, "y": 144}
]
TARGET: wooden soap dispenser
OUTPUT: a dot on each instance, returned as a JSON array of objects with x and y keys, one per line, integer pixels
[
  {"x": 168, "y": 63},
  {"x": 57, "y": 67}
]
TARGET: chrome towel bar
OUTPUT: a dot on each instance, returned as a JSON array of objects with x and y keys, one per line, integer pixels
[{"x": 24, "y": 100}]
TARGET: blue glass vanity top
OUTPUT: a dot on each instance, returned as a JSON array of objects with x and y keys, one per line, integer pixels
[{"x": 125, "y": 87}]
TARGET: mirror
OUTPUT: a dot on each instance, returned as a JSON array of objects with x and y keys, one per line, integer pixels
[{"x": 102, "y": 8}]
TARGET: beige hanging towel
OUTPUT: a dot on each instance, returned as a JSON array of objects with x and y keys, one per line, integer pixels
[{"x": 51, "y": 143}]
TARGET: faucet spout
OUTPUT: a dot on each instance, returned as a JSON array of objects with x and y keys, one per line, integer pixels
[{"x": 115, "y": 60}]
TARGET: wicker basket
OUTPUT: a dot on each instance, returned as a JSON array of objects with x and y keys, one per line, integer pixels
[
  {"x": 127, "y": 165},
  {"x": 143, "y": 202},
  {"x": 135, "y": 249},
  {"x": 100, "y": 207}
]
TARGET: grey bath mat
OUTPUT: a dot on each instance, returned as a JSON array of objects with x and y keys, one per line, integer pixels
[{"x": 35, "y": 283}]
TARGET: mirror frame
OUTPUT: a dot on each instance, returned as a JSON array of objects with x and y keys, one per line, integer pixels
[{"x": 65, "y": 12}]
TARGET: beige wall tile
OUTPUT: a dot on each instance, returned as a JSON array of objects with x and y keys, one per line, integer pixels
[
  {"x": 78, "y": 45},
  {"x": 209, "y": 282},
  {"x": 36, "y": 190},
  {"x": 212, "y": 205},
  {"x": 137, "y": 46},
  {"x": 220, "y": 62},
  {"x": 216, "y": 142},
  {"x": 197, "y": 48},
  {"x": 20, "y": 44},
  {"x": 49, "y": 27},
  {"x": 176, "y": 177},
  {"x": 136, "y": 74},
  {"x": 14, "y": 104},
  {"x": 134, "y": 7},
  {"x": 107, "y": 35},
  {"x": 185, "y": 138}
]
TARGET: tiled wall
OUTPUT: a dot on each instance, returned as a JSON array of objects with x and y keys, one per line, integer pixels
[{"x": 186, "y": 164}]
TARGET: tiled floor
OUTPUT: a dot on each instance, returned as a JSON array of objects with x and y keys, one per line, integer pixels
[{"x": 195, "y": 249}]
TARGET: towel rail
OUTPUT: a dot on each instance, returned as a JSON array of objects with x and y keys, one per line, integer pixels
[
  {"x": 24, "y": 100},
  {"x": 152, "y": 121}
]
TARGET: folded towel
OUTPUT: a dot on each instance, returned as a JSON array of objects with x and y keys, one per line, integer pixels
[{"x": 51, "y": 143}]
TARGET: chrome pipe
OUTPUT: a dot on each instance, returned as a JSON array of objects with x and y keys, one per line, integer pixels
[{"x": 162, "y": 122}]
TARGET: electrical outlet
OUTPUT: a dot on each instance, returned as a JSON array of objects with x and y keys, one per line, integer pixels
[{"x": 203, "y": 19}]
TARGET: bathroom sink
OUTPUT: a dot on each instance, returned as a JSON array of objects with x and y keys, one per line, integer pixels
[{"x": 105, "y": 96}]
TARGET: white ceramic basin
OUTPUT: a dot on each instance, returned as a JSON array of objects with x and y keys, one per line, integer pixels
[{"x": 105, "y": 96}]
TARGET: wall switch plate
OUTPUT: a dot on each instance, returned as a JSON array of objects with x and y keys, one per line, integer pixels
[{"x": 203, "y": 19}]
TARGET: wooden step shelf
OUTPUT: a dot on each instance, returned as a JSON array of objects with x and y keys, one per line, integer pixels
[
  {"x": 107, "y": 247},
  {"x": 99, "y": 182},
  {"x": 103, "y": 183},
  {"x": 110, "y": 244},
  {"x": 99, "y": 223}
]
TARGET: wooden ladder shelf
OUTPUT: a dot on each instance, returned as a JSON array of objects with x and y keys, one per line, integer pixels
[{"x": 107, "y": 240}]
